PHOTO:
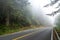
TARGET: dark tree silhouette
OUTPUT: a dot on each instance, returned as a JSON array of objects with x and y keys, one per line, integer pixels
[{"x": 52, "y": 4}]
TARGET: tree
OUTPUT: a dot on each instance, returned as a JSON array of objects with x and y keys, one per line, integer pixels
[
  {"x": 13, "y": 11},
  {"x": 16, "y": 12},
  {"x": 57, "y": 23},
  {"x": 52, "y": 4}
]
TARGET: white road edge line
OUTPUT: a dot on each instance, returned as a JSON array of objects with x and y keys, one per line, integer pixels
[{"x": 52, "y": 34}]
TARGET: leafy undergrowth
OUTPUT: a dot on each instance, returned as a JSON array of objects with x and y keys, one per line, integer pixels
[
  {"x": 58, "y": 30},
  {"x": 7, "y": 30}
]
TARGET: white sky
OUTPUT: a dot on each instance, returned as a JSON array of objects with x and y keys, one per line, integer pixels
[{"x": 40, "y": 3}]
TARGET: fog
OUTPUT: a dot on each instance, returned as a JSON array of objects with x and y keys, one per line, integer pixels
[{"x": 40, "y": 12}]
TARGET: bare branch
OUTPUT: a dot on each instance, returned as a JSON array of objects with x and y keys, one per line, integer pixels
[
  {"x": 52, "y": 3},
  {"x": 58, "y": 5},
  {"x": 55, "y": 12}
]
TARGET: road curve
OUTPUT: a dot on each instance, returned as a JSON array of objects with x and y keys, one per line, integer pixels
[{"x": 32, "y": 34}]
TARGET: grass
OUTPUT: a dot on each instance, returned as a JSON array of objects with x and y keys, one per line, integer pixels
[
  {"x": 57, "y": 29},
  {"x": 6, "y": 30}
]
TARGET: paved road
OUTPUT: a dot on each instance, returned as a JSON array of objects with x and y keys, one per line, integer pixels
[{"x": 32, "y": 34}]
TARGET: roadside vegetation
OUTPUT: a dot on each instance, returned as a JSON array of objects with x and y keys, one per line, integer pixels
[
  {"x": 8, "y": 30},
  {"x": 57, "y": 22},
  {"x": 16, "y": 16}
]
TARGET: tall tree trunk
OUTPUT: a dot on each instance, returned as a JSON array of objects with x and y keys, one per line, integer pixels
[
  {"x": 7, "y": 20},
  {"x": 7, "y": 16}
]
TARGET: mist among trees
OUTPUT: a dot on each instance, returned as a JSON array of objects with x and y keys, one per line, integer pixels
[{"x": 15, "y": 14}]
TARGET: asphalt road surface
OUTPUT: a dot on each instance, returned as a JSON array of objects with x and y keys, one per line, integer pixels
[{"x": 32, "y": 34}]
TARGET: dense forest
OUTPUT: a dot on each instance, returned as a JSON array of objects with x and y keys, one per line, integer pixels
[{"x": 15, "y": 14}]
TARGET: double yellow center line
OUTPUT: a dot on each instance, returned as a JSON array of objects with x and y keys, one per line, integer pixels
[{"x": 24, "y": 36}]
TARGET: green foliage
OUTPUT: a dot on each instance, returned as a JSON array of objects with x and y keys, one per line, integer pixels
[
  {"x": 3, "y": 29},
  {"x": 15, "y": 14},
  {"x": 57, "y": 22}
]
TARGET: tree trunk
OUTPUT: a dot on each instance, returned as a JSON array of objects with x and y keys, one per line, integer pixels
[{"x": 7, "y": 16}]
